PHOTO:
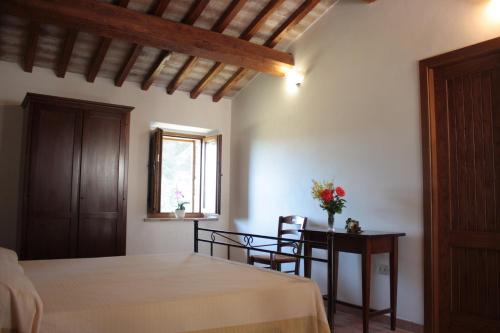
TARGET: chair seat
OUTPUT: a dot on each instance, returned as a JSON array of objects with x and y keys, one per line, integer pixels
[
  {"x": 287, "y": 225},
  {"x": 266, "y": 258}
]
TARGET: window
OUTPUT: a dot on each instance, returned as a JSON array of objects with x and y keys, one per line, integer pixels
[{"x": 186, "y": 164}]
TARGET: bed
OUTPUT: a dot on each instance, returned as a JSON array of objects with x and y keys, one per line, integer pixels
[{"x": 181, "y": 292}]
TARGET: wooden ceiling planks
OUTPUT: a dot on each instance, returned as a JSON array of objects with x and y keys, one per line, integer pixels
[
  {"x": 101, "y": 51},
  {"x": 157, "y": 10},
  {"x": 115, "y": 22},
  {"x": 192, "y": 15},
  {"x": 232, "y": 10},
  {"x": 291, "y": 22},
  {"x": 249, "y": 32},
  {"x": 156, "y": 69},
  {"x": 159, "y": 67},
  {"x": 275, "y": 38}
]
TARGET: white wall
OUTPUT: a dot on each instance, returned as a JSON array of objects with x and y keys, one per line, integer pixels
[
  {"x": 356, "y": 118},
  {"x": 152, "y": 105}
]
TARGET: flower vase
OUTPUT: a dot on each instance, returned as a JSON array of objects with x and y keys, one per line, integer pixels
[{"x": 331, "y": 220}]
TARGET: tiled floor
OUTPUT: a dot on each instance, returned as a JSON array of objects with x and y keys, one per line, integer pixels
[{"x": 352, "y": 323}]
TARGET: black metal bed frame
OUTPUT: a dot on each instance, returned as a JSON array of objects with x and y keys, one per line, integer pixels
[{"x": 222, "y": 238}]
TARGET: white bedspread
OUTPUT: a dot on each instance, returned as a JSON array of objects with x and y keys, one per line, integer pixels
[{"x": 172, "y": 293}]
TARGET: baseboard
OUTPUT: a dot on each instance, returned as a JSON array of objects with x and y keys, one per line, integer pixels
[{"x": 400, "y": 323}]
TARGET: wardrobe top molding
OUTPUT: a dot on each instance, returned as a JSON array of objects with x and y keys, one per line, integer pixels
[{"x": 72, "y": 102}]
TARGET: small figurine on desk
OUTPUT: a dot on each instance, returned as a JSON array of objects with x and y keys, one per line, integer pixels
[{"x": 352, "y": 225}]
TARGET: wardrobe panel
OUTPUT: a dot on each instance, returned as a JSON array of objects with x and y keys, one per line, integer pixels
[
  {"x": 97, "y": 236},
  {"x": 100, "y": 184},
  {"x": 100, "y": 163},
  {"x": 52, "y": 185}
]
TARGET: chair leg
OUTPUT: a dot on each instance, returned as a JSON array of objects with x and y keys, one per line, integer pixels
[
  {"x": 250, "y": 260},
  {"x": 274, "y": 266},
  {"x": 297, "y": 267},
  {"x": 278, "y": 267}
]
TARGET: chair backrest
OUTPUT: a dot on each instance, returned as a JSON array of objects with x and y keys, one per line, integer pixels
[{"x": 288, "y": 227}]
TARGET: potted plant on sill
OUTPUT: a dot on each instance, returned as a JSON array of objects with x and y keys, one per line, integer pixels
[{"x": 180, "y": 212}]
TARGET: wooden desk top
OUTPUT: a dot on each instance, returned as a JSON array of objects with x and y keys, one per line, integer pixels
[{"x": 364, "y": 234}]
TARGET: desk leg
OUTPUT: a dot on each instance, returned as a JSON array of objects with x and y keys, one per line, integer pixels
[
  {"x": 394, "y": 281},
  {"x": 331, "y": 281},
  {"x": 335, "y": 279},
  {"x": 307, "y": 262},
  {"x": 366, "y": 271}
]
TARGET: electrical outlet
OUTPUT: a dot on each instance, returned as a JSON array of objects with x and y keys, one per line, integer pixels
[{"x": 384, "y": 269}]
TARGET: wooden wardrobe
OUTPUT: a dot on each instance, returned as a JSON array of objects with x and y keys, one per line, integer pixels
[{"x": 74, "y": 199}]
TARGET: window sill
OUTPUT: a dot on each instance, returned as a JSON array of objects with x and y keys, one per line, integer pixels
[{"x": 208, "y": 218}]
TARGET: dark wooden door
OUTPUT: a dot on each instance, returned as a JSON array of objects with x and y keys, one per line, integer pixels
[
  {"x": 101, "y": 229},
  {"x": 465, "y": 194},
  {"x": 52, "y": 188}
]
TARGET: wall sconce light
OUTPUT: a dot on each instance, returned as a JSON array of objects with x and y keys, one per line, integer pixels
[
  {"x": 294, "y": 77},
  {"x": 493, "y": 10}
]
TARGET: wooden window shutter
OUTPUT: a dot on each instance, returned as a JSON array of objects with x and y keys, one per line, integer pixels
[
  {"x": 154, "y": 181},
  {"x": 219, "y": 175}
]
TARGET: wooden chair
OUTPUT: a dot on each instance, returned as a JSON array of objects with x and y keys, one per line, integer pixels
[{"x": 287, "y": 227}]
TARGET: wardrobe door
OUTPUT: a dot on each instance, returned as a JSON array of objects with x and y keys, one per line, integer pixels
[
  {"x": 52, "y": 188},
  {"x": 101, "y": 230}
]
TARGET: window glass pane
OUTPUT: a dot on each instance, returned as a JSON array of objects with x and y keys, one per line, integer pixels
[
  {"x": 177, "y": 173},
  {"x": 210, "y": 177}
]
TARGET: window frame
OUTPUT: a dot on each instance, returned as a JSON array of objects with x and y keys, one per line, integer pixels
[
  {"x": 154, "y": 167},
  {"x": 192, "y": 140}
]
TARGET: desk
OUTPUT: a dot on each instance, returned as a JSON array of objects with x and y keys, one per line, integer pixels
[{"x": 366, "y": 244}]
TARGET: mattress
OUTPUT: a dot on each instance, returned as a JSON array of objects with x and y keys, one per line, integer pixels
[{"x": 181, "y": 292}]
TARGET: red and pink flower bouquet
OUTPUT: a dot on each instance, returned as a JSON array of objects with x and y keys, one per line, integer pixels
[{"x": 331, "y": 198}]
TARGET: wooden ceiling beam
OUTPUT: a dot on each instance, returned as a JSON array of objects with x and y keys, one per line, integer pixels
[
  {"x": 229, "y": 14},
  {"x": 129, "y": 63},
  {"x": 191, "y": 16},
  {"x": 159, "y": 7},
  {"x": 102, "y": 50},
  {"x": 67, "y": 50},
  {"x": 181, "y": 74},
  {"x": 291, "y": 22},
  {"x": 157, "y": 10},
  {"x": 219, "y": 26},
  {"x": 31, "y": 46},
  {"x": 195, "y": 11},
  {"x": 112, "y": 21},
  {"x": 155, "y": 71},
  {"x": 275, "y": 38},
  {"x": 228, "y": 86},
  {"x": 98, "y": 59},
  {"x": 259, "y": 21},
  {"x": 202, "y": 85},
  {"x": 248, "y": 34}
]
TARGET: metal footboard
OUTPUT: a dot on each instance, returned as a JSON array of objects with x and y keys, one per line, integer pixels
[{"x": 250, "y": 242}]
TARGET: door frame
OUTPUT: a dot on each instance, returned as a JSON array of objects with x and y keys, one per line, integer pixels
[{"x": 430, "y": 183}]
